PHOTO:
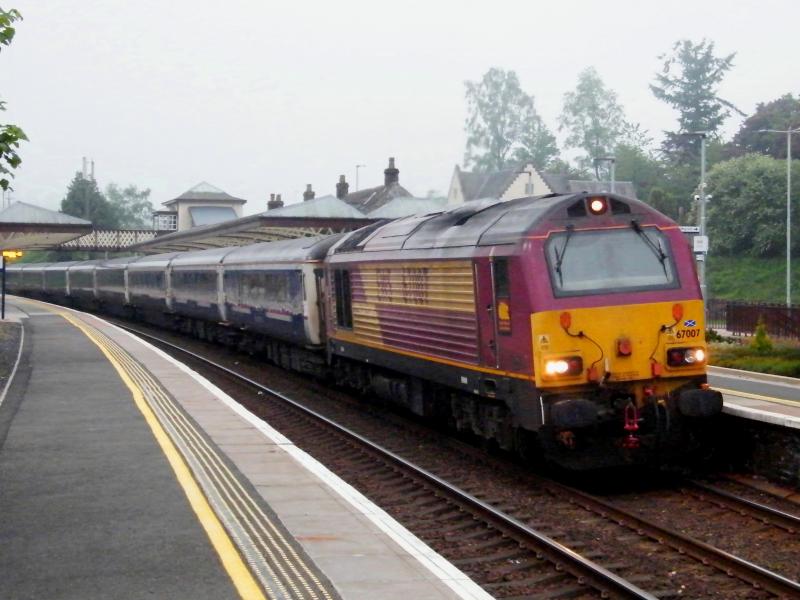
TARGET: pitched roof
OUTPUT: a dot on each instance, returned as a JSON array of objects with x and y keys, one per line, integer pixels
[
  {"x": 486, "y": 185},
  {"x": 204, "y": 191},
  {"x": 371, "y": 199},
  {"x": 324, "y": 206},
  {"x": 22, "y": 212},
  {"x": 403, "y": 207}
]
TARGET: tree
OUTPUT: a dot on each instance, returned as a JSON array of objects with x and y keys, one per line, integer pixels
[
  {"x": 571, "y": 171},
  {"x": 131, "y": 206},
  {"x": 779, "y": 114},
  {"x": 636, "y": 164},
  {"x": 593, "y": 118},
  {"x": 689, "y": 83},
  {"x": 85, "y": 201},
  {"x": 503, "y": 126},
  {"x": 536, "y": 144},
  {"x": 10, "y": 135},
  {"x": 659, "y": 200},
  {"x": 748, "y": 210}
]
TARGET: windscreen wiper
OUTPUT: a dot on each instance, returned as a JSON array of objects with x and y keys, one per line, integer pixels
[
  {"x": 560, "y": 255},
  {"x": 656, "y": 248}
]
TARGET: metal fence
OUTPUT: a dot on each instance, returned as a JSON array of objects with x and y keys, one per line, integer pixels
[{"x": 741, "y": 318}]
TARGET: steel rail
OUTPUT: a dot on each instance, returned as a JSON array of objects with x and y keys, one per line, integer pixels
[
  {"x": 733, "y": 565},
  {"x": 587, "y": 571},
  {"x": 760, "y": 511}
]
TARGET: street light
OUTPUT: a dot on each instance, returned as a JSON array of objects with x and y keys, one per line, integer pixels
[
  {"x": 609, "y": 159},
  {"x": 701, "y": 268},
  {"x": 788, "y": 133},
  {"x": 357, "y": 168}
]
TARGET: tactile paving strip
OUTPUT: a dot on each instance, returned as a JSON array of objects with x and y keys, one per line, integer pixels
[{"x": 277, "y": 561}]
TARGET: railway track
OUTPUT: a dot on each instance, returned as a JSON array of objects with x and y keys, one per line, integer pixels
[{"x": 512, "y": 548}]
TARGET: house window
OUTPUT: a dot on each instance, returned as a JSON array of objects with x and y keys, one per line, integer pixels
[
  {"x": 166, "y": 222},
  {"x": 344, "y": 307}
]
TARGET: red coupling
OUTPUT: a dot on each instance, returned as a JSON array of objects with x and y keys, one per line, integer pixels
[{"x": 631, "y": 441}]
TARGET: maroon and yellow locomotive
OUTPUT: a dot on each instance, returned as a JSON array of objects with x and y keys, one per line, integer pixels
[{"x": 574, "y": 322}]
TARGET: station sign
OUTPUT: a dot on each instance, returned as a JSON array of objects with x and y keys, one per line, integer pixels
[
  {"x": 690, "y": 229},
  {"x": 700, "y": 243}
]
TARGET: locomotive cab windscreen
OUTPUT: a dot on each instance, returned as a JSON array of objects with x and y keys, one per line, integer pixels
[{"x": 610, "y": 260}]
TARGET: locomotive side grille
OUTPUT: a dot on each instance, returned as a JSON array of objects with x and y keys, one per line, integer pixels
[{"x": 427, "y": 308}]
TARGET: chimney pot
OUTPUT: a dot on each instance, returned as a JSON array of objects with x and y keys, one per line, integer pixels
[
  {"x": 342, "y": 188},
  {"x": 309, "y": 193},
  {"x": 391, "y": 174},
  {"x": 274, "y": 202}
]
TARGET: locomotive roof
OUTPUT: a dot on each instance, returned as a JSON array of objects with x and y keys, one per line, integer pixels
[{"x": 476, "y": 223}]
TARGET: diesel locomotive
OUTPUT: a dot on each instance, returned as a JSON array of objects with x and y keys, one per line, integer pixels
[{"x": 566, "y": 325}]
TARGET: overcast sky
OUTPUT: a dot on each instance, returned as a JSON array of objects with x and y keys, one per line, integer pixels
[{"x": 259, "y": 96}]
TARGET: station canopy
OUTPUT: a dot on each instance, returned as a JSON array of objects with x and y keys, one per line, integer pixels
[
  {"x": 24, "y": 226},
  {"x": 263, "y": 227}
]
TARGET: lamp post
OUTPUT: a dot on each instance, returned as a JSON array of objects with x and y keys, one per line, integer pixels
[
  {"x": 701, "y": 267},
  {"x": 608, "y": 159},
  {"x": 788, "y": 133},
  {"x": 357, "y": 168}
]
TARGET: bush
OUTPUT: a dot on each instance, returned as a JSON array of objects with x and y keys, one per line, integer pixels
[{"x": 761, "y": 342}]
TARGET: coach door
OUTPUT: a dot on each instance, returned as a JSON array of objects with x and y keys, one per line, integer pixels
[{"x": 322, "y": 295}]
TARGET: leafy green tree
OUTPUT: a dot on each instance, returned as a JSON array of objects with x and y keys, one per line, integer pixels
[
  {"x": 10, "y": 135},
  {"x": 536, "y": 144},
  {"x": 747, "y": 213},
  {"x": 779, "y": 114},
  {"x": 502, "y": 124},
  {"x": 593, "y": 118},
  {"x": 662, "y": 202},
  {"x": 689, "y": 83},
  {"x": 638, "y": 165},
  {"x": 131, "y": 206},
  {"x": 576, "y": 172},
  {"x": 85, "y": 201}
]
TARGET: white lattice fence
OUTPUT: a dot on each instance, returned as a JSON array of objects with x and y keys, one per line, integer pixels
[{"x": 110, "y": 239}]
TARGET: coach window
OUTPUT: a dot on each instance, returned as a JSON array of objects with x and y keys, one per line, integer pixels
[
  {"x": 502, "y": 295},
  {"x": 344, "y": 308}
]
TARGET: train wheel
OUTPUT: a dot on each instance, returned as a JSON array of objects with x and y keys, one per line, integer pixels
[{"x": 527, "y": 446}]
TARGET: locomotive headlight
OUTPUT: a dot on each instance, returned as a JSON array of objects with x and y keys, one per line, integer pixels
[
  {"x": 682, "y": 357},
  {"x": 695, "y": 355},
  {"x": 597, "y": 205},
  {"x": 556, "y": 367},
  {"x": 570, "y": 365}
]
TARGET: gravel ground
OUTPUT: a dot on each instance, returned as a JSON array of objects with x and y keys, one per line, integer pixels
[{"x": 9, "y": 347}]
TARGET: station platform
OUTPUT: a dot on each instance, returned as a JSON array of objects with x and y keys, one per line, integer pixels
[
  {"x": 758, "y": 396},
  {"x": 124, "y": 474}
]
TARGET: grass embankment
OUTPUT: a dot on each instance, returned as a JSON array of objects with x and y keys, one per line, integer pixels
[
  {"x": 750, "y": 279},
  {"x": 753, "y": 280}
]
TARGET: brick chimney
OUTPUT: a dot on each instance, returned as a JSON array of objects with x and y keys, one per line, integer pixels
[
  {"x": 309, "y": 193},
  {"x": 342, "y": 188},
  {"x": 274, "y": 202},
  {"x": 391, "y": 174}
]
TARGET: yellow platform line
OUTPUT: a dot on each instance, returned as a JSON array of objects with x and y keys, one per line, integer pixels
[
  {"x": 240, "y": 575},
  {"x": 795, "y": 403}
]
